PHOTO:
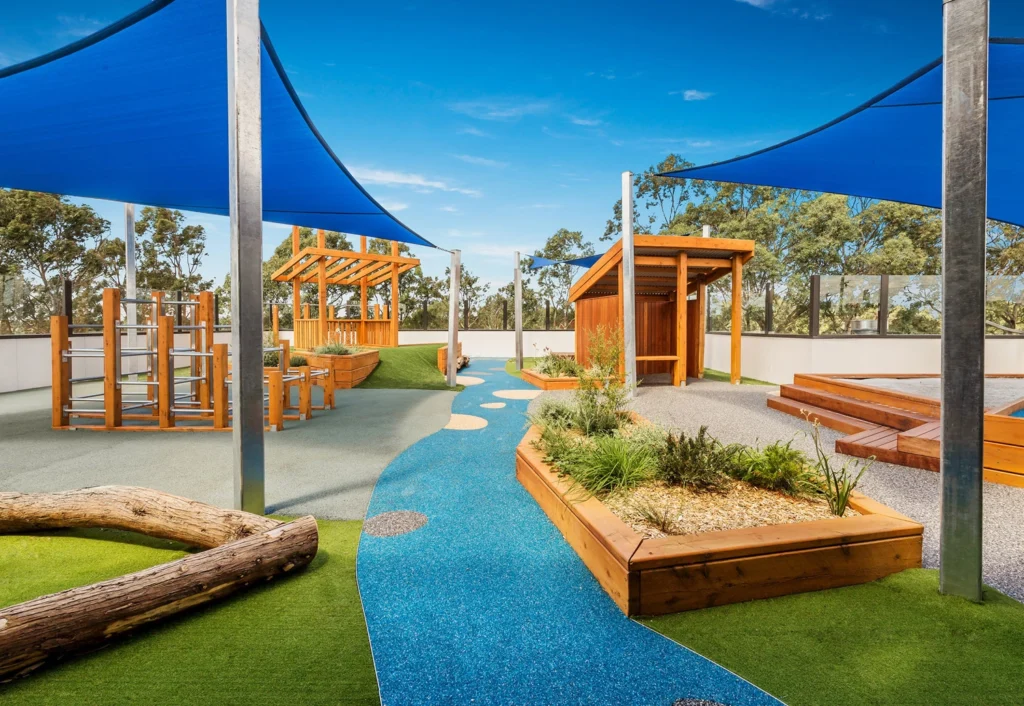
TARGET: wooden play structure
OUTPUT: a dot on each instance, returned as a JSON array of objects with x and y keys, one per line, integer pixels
[
  {"x": 325, "y": 267},
  {"x": 899, "y": 427},
  {"x": 646, "y": 576},
  {"x": 155, "y": 397},
  {"x": 239, "y": 550},
  {"x": 669, "y": 269}
]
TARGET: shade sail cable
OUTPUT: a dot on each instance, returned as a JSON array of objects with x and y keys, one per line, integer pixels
[{"x": 137, "y": 112}]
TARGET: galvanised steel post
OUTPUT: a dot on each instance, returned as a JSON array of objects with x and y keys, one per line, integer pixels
[
  {"x": 964, "y": 172},
  {"x": 518, "y": 280},
  {"x": 453, "y": 319},
  {"x": 129, "y": 280},
  {"x": 628, "y": 292},
  {"x": 245, "y": 208}
]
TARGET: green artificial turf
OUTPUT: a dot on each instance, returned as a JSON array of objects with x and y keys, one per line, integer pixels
[
  {"x": 893, "y": 641},
  {"x": 294, "y": 640},
  {"x": 719, "y": 376},
  {"x": 510, "y": 366},
  {"x": 408, "y": 368}
]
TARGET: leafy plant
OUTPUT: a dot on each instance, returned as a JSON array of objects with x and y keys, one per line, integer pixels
[
  {"x": 609, "y": 463},
  {"x": 296, "y": 361},
  {"x": 604, "y": 348},
  {"x": 699, "y": 461},
  {"x": 553, "y": 412},
  {"x": 777, "y": 466},
  {"x": 332, "y": 348},
  {"x": 271, "y": 359},
  {"x": 839, "y": 483},
  {"x": 557, "y": 366},
  {"x": 657, "y": 517}
]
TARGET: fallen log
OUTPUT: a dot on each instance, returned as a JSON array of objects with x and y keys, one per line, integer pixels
[
  {"x": 123, "y": 507},
  {"x": 46, "y": 629}
]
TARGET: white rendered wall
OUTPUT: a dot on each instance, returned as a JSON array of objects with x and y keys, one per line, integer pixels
[
  {"x": 777, "y": 359},
  {"x": 496, "y": 344},
  {"x": 25, "y": 361}
]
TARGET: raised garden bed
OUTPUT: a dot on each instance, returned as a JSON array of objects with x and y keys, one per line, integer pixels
[
  {"x": 677, "y": 573},
  {"x": 348, "y": 370},
  {"x": 548, "y": 382}
]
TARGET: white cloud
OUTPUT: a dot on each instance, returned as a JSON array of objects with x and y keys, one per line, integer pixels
[
  {"x": 394, "y": 206},
  {"x": 480, "y": 161},
  {"x": 449, "y": 209},
  {"x": 695, "y": 95},
  {"x": 490, "y": 250},
  {"x": 586, "y": 122},
  {"x": 759, "y": 3},
  {"x": 5, "y": 60},
  {"x": 504, "y": 109},
  {"x": 543, "y": 205},
  {"x": 78, "y": 26},
  {"x": 417, "y": 182},
  {"x": 475, "y": 132}
]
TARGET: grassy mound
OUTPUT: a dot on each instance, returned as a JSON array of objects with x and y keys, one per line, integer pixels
[
  {"x": 299, "y": 640},
  {"x": 408, "y": 368},
  {"x": 510, "y": 366},
  {"x": 893, "y": 641}
]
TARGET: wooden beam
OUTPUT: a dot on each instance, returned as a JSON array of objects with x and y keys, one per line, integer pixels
[
  {"x": 394, "y": 295},
  {"x": 736, "y": 334},
  {"x": 362, "y": 297},
  {"x": 609, "y": 260},
  {"x": 383, "y": 277},
  {"x": 111, "y": 358},
  {"x": 60, "y": 368},
  {"x": 679, "y": 374},
  {"x": 321, "y": 287},
  {"x": 296, "y": 287},
  {"x": 371, "y": 271},
  {"x": 702, "y": 308},
  {"x": 686, "y": 242}
]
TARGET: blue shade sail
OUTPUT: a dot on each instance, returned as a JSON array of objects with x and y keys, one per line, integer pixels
[
  {"x": 539, "y": 262},
  {"x": 891, "y": 147},
  {"x": 138, "y": 113}
]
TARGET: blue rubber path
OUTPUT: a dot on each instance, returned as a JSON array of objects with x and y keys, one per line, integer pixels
[{"x": 487, "y": 604}]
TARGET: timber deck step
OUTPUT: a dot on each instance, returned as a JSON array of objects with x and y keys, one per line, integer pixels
[
  {"x": 871, "y": 412},
  {"x": 827, "y": 418},
  {"x": 883, "y": 444},
  {"x": 923, "y": 440}
]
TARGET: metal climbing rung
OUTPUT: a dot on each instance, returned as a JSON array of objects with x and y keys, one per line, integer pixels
[
  {"x": 197, "y": 327},
  {"x": 138, "y": 326},
  {"x": 138, "y": 301},
  {"x": 181, "y": 303},
  {"x": 138, "y": 406},
  {"x": 188, "y": 353},
  {"x": 93, "y": 378},
  {"x": 189, "y": 410},
  {"x": 85, "y": 325}
]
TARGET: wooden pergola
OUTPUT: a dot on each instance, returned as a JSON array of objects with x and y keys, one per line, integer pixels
[
  {"x": 326, "y": 266},
  {"x": 669, "y": 268}
]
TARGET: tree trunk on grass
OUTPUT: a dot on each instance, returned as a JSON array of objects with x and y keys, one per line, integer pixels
[
  {"x": 141, "y": 510},
  {"x": 46, "y": 629}
]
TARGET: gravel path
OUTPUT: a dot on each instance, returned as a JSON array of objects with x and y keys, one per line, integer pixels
[{"x": 739, "y": 414}]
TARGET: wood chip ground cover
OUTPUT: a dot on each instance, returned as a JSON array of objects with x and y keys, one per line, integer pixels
[{"x": 690, "y": 511}]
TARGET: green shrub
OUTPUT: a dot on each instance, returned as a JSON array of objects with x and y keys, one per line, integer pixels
[
  {"x": 609, "y": 463},
  {"x": 332, "y": 349},
  {"x": 699, "y": 461},
  {"x": 778, "y": 466},
  {"x": 837, "y": 484},
  {"x": 553, "y": 412},
  {"x": 558, "y": 444},
  {"x": 557, "y": 366},
  {"x": 604, "y": 348},
  {"x": 271, "y": 359},
  {"x": 297, "y": 360}
]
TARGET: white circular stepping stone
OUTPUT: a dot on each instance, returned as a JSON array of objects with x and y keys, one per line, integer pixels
[
  {"x": 468, "y": 380},
  {"x": 493, "y": 405},
  {"x": 517, "y": 394},
  {"x": 465, "y": 422}
]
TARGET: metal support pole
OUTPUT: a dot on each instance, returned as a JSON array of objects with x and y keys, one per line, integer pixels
[
  {"x": 426, "y": 314},
  {"x": 129, "y": 276},
  {"x": 517, "y": 279},
  {"x": 245, "y": 207},
  {"x": 547, "y": 315},
  {"x": 769, "y": 307},
  {"x": 705, "y": 231},
  {"x": 815, "y": 306},
  {"x": 453, "y": 319},
  {"x": 504, "y": 314},
  {"x": 628, "y": 292},
  {"x": 965, "y": 146},
  {"x": 68, "y": 303},
  {"x": 883, "y": 306}
]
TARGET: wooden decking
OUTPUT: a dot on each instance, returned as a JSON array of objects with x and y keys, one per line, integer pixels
[{"x": 897, "y": 427}]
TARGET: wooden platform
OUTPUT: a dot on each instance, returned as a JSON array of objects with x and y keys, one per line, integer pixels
[{"x": 898, "y": 427}]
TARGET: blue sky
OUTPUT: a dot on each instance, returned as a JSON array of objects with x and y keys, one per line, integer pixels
[{"x": 488, "y": 126}]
